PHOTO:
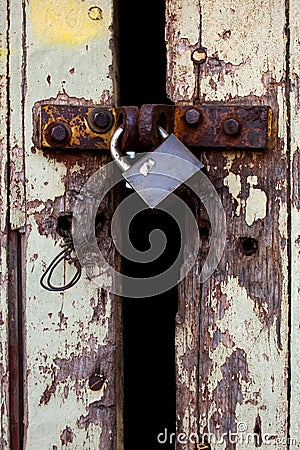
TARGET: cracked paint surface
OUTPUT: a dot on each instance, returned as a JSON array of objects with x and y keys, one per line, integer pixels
[
  {"x": 234, "y": 328},
  {"x": 256, "y": 204},
  {"x": 64, "y": 54}
]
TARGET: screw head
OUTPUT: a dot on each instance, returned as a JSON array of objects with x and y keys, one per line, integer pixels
[
  {"x": 58, "y": 134},
  {"x": 192, "y": 116},
  {"x": 100, "y": 120},
  {"x": 96, "y": 382},
  {"x": 199, "y": 55},
  {"x": 231, "y": 127}
]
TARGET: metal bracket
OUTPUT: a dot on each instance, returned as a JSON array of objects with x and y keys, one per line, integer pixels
[{"x": 213, "y": 126}]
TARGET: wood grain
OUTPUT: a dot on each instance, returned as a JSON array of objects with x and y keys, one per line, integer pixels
[
  {"x": 60, "y": 52},
  {"x": 232, "y": 331},
  {"x": 294, "y": 72},
  {"x": 4, "y": 373}
]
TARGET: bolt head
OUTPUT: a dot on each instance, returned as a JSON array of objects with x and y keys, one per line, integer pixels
[
  {"x": 58, "y": 133},
  {"x": 192, "y": 116},
  {"x": 101, "y": 119},
  {"x": 231, "y": 127},
  {"x": 96, "y": 382}
]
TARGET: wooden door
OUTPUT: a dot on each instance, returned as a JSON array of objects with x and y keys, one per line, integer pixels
[
  {"x": 237, "y": 334},
  {"x": 53, "y": 52}
]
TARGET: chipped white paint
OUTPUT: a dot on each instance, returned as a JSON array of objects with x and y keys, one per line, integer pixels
[
  {"x": 295, "y": 218},
  {"x": 247, "y": 331},
  {"x": 67, "y": 50},
  {"x": 16, "y": 68},
  {"x": 233, "y": 182},
  {"x": 180, "y": 41},
  {"x": 256, "y": 203},
  {"x": 4, "y": 425},
  {"x": 232, "y": 34},
  {"x": 239, "y": 69}
]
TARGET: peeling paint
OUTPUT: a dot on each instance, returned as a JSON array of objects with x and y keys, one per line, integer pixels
[
  {"x": 256, "y": 204},
  {"x": 233, "y": 182}
]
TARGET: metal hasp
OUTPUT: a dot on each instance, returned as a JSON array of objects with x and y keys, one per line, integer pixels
[{"x": 208, "y": 126}]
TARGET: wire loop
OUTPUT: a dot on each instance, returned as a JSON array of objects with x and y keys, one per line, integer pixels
[{"x": 65, "y": 254}]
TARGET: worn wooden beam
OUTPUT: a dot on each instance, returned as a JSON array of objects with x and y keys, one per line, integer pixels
[
  {"x": 60, "y": 51},
  {"x": 4, "y": 374},
  {"x": 232, "y": 331},
  {"x": 294, "y": 74}
]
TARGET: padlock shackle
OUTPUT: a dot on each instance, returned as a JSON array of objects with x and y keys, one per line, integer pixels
[
  {"x": 115, "y": 152},
  {"x": 162, "y": 132},
  {"x": 114, "y": 147}
]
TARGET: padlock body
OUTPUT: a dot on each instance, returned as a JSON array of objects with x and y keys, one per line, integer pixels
[{"x": 157, "y": 174}]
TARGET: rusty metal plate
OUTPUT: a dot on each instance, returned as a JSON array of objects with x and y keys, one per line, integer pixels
[
  {"x": 75, "y": 121},
  {"x": 204, "y": 126},
  {"x": 225, "y": 126}
]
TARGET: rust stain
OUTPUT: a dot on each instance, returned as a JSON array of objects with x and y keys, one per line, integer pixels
[
  {"x": 79, "y": 368},
  {"x": 67, "y": 436},
  {"x": 216, "y": 66}
]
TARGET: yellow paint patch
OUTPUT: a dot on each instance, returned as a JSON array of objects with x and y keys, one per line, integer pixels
[
  {"x": 68, "y": 22},
  {"x": 3, "y": 53}
]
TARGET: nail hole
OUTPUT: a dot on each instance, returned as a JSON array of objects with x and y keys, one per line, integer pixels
[
  {"x": 204, "y": 234},
  {"x": 64, "y": 225},
  {"x": 248, "y": 245},
  {"x": 95, "y": 13}
]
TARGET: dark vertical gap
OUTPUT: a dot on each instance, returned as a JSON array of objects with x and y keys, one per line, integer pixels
[
  {"x": 15, "y": 318},
  {"x": 149, "y": 342},
  {"x": 148, "y": 323},
  {"x": 289, "y": 206},
  {"x": 142, "y": 52},
  {"x": 14, "y": 290}
]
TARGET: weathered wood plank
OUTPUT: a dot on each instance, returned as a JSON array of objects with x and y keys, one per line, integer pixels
[
  {"x": 294, "y": 29},
  {"x": 232, "y": 331},
  {"x": 17, "y": 92},
  {"x": 67, "y": 57},
  {"x": 4, "y": 424}
]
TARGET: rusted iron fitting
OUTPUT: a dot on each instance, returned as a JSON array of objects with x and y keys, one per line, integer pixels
[{"x": 90, "y": 127}]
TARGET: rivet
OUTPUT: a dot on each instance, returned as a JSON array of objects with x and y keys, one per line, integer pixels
[
  {"x": 199, "y": 55},
  {"x": 96, "y": 382},
  {"x": 231, "y": 127},
  {"x": 192, "y": 116}
]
